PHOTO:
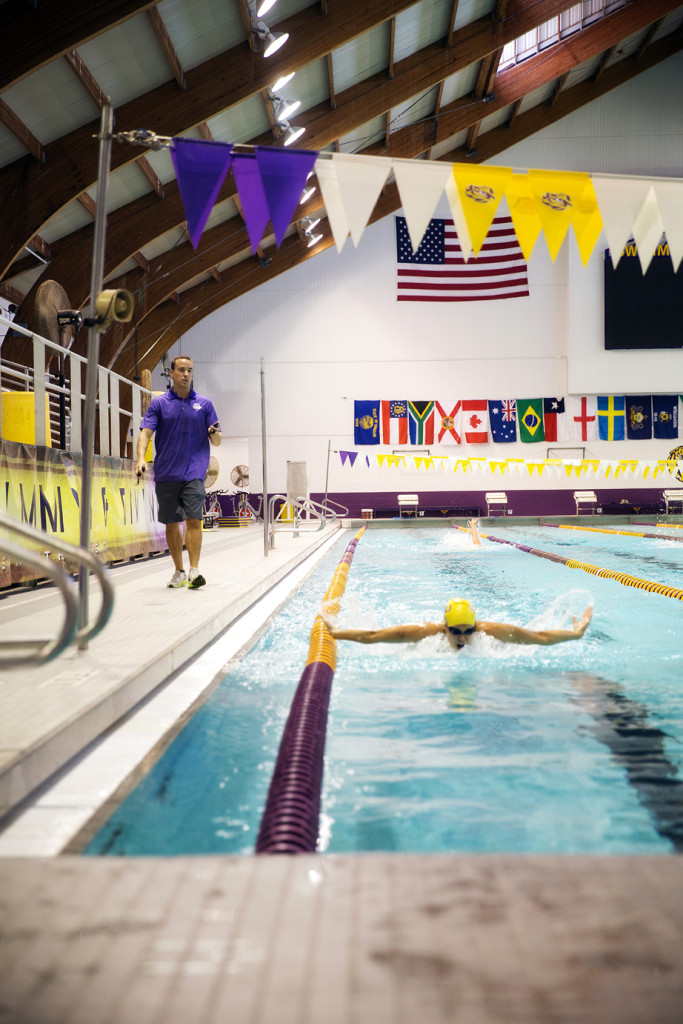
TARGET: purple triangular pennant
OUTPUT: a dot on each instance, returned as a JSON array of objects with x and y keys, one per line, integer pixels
[
  {"x": 350, "y": 456},
  {"x": 247, "y": 177},
  {"x": 200, "y": 169},
  {"x": 284, "y": 173}
]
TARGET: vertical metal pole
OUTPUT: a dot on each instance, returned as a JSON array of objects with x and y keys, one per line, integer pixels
[
  {"x": 96, "y": 276},
  {"x": 327, "y": 472},
  {"x": 266, "y": 517}
]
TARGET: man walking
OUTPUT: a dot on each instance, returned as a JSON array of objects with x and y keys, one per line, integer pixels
[{"x": 186, "y": 425}]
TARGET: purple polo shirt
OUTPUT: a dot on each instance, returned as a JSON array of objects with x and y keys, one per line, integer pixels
[{"x": 181, "y": 439}]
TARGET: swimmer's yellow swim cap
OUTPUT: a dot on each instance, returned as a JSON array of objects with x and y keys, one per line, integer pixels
[{"x": 459, "y": 612}]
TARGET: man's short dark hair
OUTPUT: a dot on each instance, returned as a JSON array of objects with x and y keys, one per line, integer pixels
[{"x": 173, "y": 361}]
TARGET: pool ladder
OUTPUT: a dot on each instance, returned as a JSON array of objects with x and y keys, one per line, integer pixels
[
  {"x": 43, "y": 649},
  {"x": 319, "y": 514}
]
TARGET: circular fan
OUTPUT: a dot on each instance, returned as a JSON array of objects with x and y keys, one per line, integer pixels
[
  {"x": 240, "y": 476},
  {"x": 211, "y": 473},
  {"x": 50, "y": 299}
]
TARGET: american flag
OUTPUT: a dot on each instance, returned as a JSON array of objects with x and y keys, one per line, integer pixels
[{"x": 437, "y": 272}]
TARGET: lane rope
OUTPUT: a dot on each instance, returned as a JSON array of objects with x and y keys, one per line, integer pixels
[
  {"x": 594, "y": 570},
  {"x": 290, "y": 820},
  {"x": 605, "y": 529}
]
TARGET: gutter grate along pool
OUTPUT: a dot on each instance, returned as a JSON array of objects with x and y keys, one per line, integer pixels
[{"x": 291, "y": 816}]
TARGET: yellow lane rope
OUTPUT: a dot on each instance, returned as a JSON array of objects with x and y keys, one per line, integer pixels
[{"x": 322, "y": 646}]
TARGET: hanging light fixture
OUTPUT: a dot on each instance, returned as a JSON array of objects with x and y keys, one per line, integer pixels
[
  {"x": 307, "y": 226},
  {"x": 282, "y": 82},
  {"x": 264, "y": 7},
  {"x": 306, "y": 195},
  {"x": 272, "y": 42},
  {"x": 293, "y": 134}
]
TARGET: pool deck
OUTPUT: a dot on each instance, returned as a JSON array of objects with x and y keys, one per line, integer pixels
[{"x": 490, "y": 939}]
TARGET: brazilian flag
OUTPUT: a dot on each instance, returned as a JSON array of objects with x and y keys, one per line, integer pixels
[{"x": 530, "y": 419}]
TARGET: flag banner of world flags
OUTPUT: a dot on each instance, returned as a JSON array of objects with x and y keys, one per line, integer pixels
[
  {"x": 447, "y": 422},
  {"x": 438, "y": 272}
]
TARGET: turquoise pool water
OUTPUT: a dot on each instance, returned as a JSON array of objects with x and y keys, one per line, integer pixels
[{"x": 571, "y": 748}]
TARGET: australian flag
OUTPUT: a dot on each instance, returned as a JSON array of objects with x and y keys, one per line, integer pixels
[{"x": 503, "y": 419}]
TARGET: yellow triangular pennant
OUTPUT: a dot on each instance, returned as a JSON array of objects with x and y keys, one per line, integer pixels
[
  {"x": 587, "y": 222},
  {"x": 525, "y": 216},
  {"x": 557, "y": 194},
  {"x": 481, "y": 189}
]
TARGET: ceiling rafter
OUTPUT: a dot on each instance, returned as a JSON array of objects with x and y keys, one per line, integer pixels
[
  {"x": 604, "y": 61},
  {"x": 86, "y": 78},
  {"x": 557, "y": 88},
  {"x": 448, "y": 41},
  {"x": 28, "y": 197},
  {"x": 648, "y": 37},
  {"x": 20, "y": 131},
  {"x": 330, "y": 78},
  {"x": 131, "y": 227},
  {"x": 166, "y": 43},
  {"x": 48, "y": 32},
  {"x": 150, "y": 174},
  {"x": 495, "y": 141},
  {"x": 515, "y": 83}
]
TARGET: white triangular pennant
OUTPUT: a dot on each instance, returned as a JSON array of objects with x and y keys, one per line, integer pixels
[
  {"x": 620, "y": 201},
  {"x": 670, "y": 201},
  {"x": 458, "y": 215},
  {"x": 648, "y": 229},
  {"x": 420, "y": 185},
  {"x": 334, "y": 207},
  {"x": 360, "y": 181}
]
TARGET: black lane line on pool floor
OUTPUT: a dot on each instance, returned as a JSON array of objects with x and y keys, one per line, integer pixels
[{"x": 623, "y": 726}]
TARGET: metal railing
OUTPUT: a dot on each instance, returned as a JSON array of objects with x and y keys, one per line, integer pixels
[
  {"x": 64, "y": 390},
  {"x": 42, "y": 649},
  {"x": 319, "y": 515}
]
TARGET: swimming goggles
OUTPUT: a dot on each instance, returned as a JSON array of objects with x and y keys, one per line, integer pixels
[{"x": 461, "y": 630}]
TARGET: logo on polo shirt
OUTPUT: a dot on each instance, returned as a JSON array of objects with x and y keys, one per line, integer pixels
[{"x": 197, "y": 405}]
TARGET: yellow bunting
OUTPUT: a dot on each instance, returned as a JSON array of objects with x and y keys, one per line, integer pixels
[
  {"x": 587, "y": 222},
  {"x": 525, "y": 216},
  {"x": 557, "y": 194},
  {"x": 481, "y": 189}
]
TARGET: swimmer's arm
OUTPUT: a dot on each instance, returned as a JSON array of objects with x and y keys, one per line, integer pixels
[
  {"x": 409, "y": 633},
  {"x": 519, "y": 635}
]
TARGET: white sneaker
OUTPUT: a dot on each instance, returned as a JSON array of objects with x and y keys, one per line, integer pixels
[
  {"x": 178, "y": 579},
  {"x": 195, "y": 579}
]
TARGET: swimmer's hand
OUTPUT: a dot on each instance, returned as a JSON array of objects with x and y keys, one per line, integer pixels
[{"x": 581, "y": 626}]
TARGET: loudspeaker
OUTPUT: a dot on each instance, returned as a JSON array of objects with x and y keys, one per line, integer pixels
[{"x": 113, "y": 304}]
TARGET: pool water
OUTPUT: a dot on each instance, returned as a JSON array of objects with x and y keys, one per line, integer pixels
[{"x": 571, "y": 748}]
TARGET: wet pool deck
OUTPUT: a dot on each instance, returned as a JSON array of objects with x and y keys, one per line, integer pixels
[{"x": 349, "y": 939}]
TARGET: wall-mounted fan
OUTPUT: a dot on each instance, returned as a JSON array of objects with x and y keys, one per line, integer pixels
[
  {"x": 50, "y": 315},
  {"x": 240, "y": 476},
  {"x": 211, "y": 473}
]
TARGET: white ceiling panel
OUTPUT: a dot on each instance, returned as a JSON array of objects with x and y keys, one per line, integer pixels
[
  {"x": 419, "y": 26},
  {"x": 127, "y": 61},
  {"x": 10, "y": 147},
  {"x": 416, "y": 109},
  {"x": 448, "y": 145},
  {"x": 201, "y": 30},
  {"x": 366, "y": 55},
  {"x": 51, "y": 102},
  {"x": 459, "y": 85},
  {"x": 71, "y": 217},
  {"x": 365, "y": 135}
]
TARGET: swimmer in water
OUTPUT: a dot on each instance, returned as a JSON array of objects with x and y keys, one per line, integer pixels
[{"x": 459, "y": 626}]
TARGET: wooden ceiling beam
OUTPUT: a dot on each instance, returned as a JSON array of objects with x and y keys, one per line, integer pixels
[
  {"x": 21, "y": 132},
  {"x": 648, "y": 37},
  {"x": 514, "y": 84},
  {"x": 36, "y": 37},
  {"x": 543, "y": 115},
  {"x": 448, "y": 41},
  {"x": 557, "y": 88},
  {"x": 12, "y": 294},
  {"x": 487, "y": 73},
  {"x": 145, "y": 166},
  {"x": 330, "y": 77},
  {"x": 133, "y": 226},
  {"x": 166, "y": 43},
  {"x": 88, "y": 203},
  {"x": 28, "y": 197},
  {"x": 604, "y": 61},
  {"x": 86, "y": 78},
  {"x": 491, "y": 144}
]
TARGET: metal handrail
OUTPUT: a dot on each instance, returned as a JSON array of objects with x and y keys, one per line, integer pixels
[
  {"x": 80, "y": 555},
  {"x": 47, "y": 649},
  {"x": 298, "y": 505}
]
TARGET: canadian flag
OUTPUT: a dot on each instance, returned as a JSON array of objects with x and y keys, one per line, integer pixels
[{"x": 474, "y": 421}]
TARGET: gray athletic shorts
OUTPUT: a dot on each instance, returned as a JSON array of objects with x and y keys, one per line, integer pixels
[{"x": 180, "y": 499}]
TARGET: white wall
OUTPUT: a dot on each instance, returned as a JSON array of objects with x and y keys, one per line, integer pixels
[{"x": 331, "y": 330}]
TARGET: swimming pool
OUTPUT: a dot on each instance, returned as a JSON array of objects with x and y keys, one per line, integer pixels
[{"x": 571, "y": 748}]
